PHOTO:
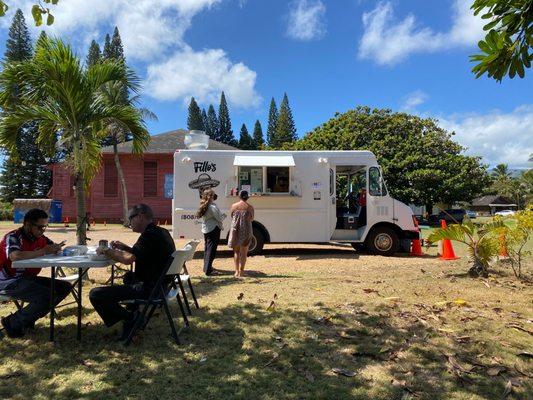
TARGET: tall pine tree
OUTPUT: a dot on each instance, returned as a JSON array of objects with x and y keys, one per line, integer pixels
[
  {"x": 23, "y": 175},
  {"x": 205, "y": 121},
  {"x": 245, "y": 141},
  {"x": 257, "y": 137},
  {"x": 285, "y": 128},
  {"x": 225, "y": 134},
  {"x": 107, "y": 53},
  {"x": 272, "y": 121},
  {"x": 212, "y": 123},
  {"x": 94, "y": 55},
  {"x": 194, "y": 120}
]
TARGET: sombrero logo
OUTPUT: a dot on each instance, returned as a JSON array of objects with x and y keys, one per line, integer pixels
[{"x": 204, "y": 181}]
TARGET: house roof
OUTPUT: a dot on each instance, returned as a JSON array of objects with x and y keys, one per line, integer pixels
[
  {"x": 491, "y": 200},
  {"x": 167, "y": 142}
]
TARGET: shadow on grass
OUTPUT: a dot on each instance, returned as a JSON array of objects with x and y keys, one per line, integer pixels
[{"x": 244, "y": 351}]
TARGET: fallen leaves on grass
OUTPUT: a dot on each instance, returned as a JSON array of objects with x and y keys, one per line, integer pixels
[
  {"x": 273, "y": 359},
  {"x": 342, "y": 371},
  {"x": 496, "y": 370},
  {"x": 371, "y": 291},
  {"x": 519, "y": 327},
  {"x": 508, "y": 389},
  {"x": 86, "y": 363}
]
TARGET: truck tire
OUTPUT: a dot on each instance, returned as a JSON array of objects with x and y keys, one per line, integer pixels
[
  {"x": 382, "y": 241},
  {"x": 257, "y": 243},
  {"x": 359, "y": 247}
]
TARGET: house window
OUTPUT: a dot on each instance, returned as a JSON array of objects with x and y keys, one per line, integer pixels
[
  {"x": 277, "y": 179},
  {"x": 150, "y": 179},
  {"x": 110, "y": 179}
]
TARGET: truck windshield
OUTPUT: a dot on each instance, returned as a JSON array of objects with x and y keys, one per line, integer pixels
[{"x": 376, "y": 185}]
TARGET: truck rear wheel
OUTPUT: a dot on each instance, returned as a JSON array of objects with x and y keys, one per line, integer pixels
[
  {"x": 257, "y": 243},
  {"x": 382, "y": 241}
]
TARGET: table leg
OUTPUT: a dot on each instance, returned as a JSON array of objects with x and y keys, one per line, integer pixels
[
  {"x": 80, "y": 276},
  {"x": 52, "y": 303}
]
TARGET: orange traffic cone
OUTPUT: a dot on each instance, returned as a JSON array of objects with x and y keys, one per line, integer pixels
[
  {"x": 65, "y": 221},
  {"x": 503, "y": 247},
  {"x": 416, "y": 245},
  {"x": 447, "y": 248}
]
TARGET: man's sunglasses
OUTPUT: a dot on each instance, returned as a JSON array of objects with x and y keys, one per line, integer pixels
[
  {"x": 133, "y": 216},
  {"x": 40, "y": 227}
]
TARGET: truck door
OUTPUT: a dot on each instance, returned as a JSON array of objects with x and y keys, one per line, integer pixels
[
  {"x": 379, "y": 203},
  {"x": 332, "y": 202}
]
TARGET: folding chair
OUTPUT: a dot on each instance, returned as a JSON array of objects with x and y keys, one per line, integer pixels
[
  {"x": 184, "y": 276},
  {"x": 6, "y": 298},
  {"x": 158, "y": 297}
]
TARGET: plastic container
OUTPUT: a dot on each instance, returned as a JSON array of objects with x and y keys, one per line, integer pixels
[{"x": 196, "y": 140}]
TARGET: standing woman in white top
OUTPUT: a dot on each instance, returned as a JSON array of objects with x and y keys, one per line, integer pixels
[{"x": 211, "y": 226}]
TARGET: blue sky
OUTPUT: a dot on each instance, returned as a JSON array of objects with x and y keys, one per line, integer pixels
[{"x": 329, "y": 56}]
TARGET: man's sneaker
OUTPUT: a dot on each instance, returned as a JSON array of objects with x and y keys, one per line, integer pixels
[{"x": 10, "y": 331}]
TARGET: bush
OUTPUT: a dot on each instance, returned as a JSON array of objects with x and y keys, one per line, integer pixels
[{"x": 6, "y": 211}]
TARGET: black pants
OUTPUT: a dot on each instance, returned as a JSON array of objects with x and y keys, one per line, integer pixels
[
  {"x": 210, "y": 252},
  {"x": 105, "y": 300},
  {"x": 34, "y": 290}
]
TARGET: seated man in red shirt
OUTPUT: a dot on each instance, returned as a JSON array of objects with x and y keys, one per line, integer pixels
[{"x": 24, "y": 243}]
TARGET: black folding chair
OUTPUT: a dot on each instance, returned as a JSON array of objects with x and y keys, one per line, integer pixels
[
  {"x": 4, "y": 297},
  {"x": 158, "y": 297}
]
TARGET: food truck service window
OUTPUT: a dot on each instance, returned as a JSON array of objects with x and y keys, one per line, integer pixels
[
  {"x": 277, "y": 179},
  {"x": 251, "y": 178}
]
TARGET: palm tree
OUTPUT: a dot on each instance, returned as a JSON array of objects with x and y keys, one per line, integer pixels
[
  {"x": 501, "y": 172},
  {"x": 66, "y": 101},
  {"x": 114, "y": 93}
]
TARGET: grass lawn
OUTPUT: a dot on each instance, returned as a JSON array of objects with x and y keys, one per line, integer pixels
[{"x": 309, "y": 322}]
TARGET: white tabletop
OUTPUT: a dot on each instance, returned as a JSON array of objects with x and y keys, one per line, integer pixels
[{"x": 49, "y": 261}]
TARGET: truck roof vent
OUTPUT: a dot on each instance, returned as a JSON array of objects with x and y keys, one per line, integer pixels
[{"x": 196, "y": 140}]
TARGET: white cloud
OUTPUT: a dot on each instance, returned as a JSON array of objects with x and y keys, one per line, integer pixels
[
  {"x": 413, "y": 99},
  {"x": 306, "y": 20},
  {"x": 202, "y": 75},
  {"x": 498, "y": 137},
  {"x": 152, "y": 33},
  {"x": 147, "y": 27},
  {"x": 388, "y": 41}
]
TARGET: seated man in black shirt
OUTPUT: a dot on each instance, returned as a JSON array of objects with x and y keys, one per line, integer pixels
[{"x": 150, "y": 253}]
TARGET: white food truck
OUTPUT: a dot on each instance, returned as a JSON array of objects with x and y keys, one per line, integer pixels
[{"x": 298, "y": 196}]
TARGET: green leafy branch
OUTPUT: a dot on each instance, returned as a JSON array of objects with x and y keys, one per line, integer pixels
[
  {"x": 38, "y": 11},
  {"x": 506, "y": 49}
]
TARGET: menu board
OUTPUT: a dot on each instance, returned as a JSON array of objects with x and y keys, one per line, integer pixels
[{"x": 256, "y": 180}]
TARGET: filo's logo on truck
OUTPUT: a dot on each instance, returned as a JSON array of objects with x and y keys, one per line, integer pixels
[{"x": 204, "y": 166}]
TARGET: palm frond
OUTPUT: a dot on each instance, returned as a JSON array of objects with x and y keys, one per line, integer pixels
[{"x": 452, "y": 232}]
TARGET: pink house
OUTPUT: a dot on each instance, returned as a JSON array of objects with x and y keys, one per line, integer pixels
[{"x": 149, "y": 179}]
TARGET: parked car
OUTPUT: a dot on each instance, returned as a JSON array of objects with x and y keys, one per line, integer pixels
[
  {"x": 505, "y": 213},
  {"x": 471, "y": 214},
  {"x": 450, "y": 216}
]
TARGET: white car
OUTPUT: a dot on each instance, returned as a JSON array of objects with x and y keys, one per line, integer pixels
[{"x": 505, "y": 213}]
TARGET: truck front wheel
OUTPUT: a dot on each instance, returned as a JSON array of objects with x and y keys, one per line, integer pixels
[
  {"x": 382, "y": 241},
  {"x": 258, "y": 240}
]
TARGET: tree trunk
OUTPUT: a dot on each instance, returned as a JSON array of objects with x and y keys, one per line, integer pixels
[
  {"x": 429, "y": 208},
  {"x": 81, "y": 226},
  {"x": 123, "y": 189}
]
